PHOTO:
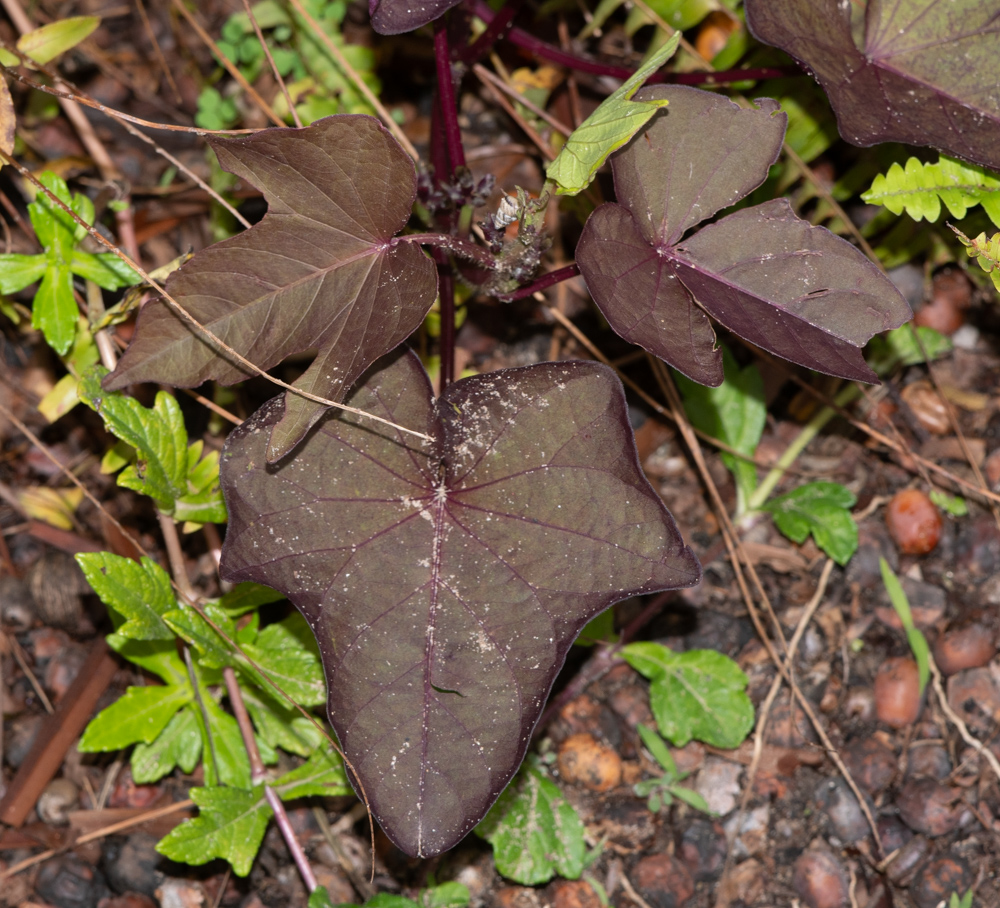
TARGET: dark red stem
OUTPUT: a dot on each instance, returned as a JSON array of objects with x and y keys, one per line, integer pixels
[
  {"x": 543, "y": 283},
  {"x": 455, "y": 244},
  {"x": 446, "y": 95},
  {"x": 550, "y": 52},
  {"x": 446, "y": 296},
  {"x": 494, "y": 32}
]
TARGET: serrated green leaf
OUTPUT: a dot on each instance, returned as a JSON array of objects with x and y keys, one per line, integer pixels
[
  {"x": 140, "y": 714},
  {"x": 734, "y": 413},
  {"x": 230, "y": 825},
  {"x": 139, "y": 591},
  {"x": 246, "y": 596},
  {"x": 156, "y": 656},
  {"x": 607, "y": 129},
  {"x": 212, "y": 647},
  {"x": 287, "y": 653},
  {"x": 535, "y": 832},
  {"x": 322, "y": 775},
  {"x": 699, "y": 694},
  {"x": 820, "y": 508},
  {"x": 919, "y": 189},
  {"x": 226, "y": 751},
  {"x": 179, "y": 744},
  {"x": 281, "y": 726}
]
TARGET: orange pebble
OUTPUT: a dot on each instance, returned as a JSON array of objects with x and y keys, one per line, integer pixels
[{"x": 914, "y": 522}]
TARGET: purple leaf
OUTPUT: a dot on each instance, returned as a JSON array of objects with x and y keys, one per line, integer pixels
[
  {"x": 445, "y": 584},
  {"x": 918, "y": 71},
  {"x": 321, "y": 270},
  {"x": 393, "y": 17},
  {"x": 793, "y": 289}
]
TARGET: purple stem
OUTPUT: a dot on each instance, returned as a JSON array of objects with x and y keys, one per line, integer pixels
[
  {"x": 446, "y": 294},
  {"x": 495, "y": 31},
  {"x": 545, "y": 281},
  {"x": 546, "y": 51},
  {"x": 446, "y": 95},
  {"x": 455, "y": 244}
]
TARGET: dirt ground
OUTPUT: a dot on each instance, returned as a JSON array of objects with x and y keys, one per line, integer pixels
[{"x": 789, "y": 830}]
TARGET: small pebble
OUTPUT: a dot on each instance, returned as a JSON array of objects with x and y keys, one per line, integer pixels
[
  {"x": 938, "y": 879},
  {"x": 968, "y": 647},
  {"x": 703, "y": 849},
  {"x": 835, "y": 797},
  {"x": 871, "y": 762},
  {"x": 57, "y": 798},
  {"x": 131, "y": 864},
  {"x": 573, "y": 894},
  {"x": 860, "y": 703},
  {"x": 718, "y": 782},
  {"x": 902, "y": 867},
  {"x": 129, "y": 900},
  {"x": 975, "y": 695},
  {"x": 68, "y": 882},
  {"x": 927, "y": 806},
  {"x": 516, "y": 897},
  {"x": 914, "y": 522},
  {"x": 820, "y": 881},
  {"x": 893, "y": 833},
  {"x": 177, "y": 893},
  {"x": 586, "y": 762},
  {"x": 897, "y": 692},
  {"x": 663, "y": 881},
  {"x": 929, "y": 760},
  {"x": 927, "y": 406},
  {"x": 19, "y": 737}
]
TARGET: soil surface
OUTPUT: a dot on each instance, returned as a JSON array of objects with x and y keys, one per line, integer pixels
[{"x": 788, "y": 828}]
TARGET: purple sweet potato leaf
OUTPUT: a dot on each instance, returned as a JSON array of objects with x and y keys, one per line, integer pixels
[
  {"x": 793, "y": 289},
  {"x": 320, "y": 271},
  {"x": 445, "y": 583},
  {"x": 918, "y": 71},
  {"x": 393, "y": 17}
]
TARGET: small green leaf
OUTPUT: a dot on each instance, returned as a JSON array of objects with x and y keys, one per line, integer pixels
[
  {"x": 17, "y": 271},
  {"x": 320, "y": 898},
  {"x": 598, "y": 630},
  {"x": 287, "y": 653},
  {"x": 245, "y": 597},
  {"x": 953, "y": 504},
  {"x": 691, "y": 798},
  {"x": 607, "y": 129},
  {"x": 179, "y": 744},
  {"x": 901, "y": 347},
  {"x": 54, "y": 310},
  {"x": 231, "y": 823},
  {"x": 226, "y": 751},
  {"x": 212, "y": 647},
  {"x": 820, "y": 508},
  {"x": 103, "y": 268},
  {"x": 915, "y": 637},
  {"x": 447, "y": 895},
  {"x": 734, "y": 413},
  {"x": 279, "y": 725},
  {"x": 139, "y": 591},
  {"x": 698, "y": 694},
  {"x": 156, "y": 656},
  {"x": 140, "y": 714},
  {"x": 656, "y": 746},
  {"x": 534, "y": 831}
]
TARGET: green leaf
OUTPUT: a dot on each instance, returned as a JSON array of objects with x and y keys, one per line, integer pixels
[
  {"x": 699, "y": 694},
  {"x": 246, "y": 596},
  {"x": 212, "y": 647},
  {"x": 953, "y": 504},
  {"x": 139, "y": 592},
  {"x": 226, "y": 752},
  {"x": 447, "y": 895},
  {"x": 54, "y": 310},
  {"x": 902, "y": 347},
  {"x": 156, "y": 656},
  {"x": 919, "y": 189},
  {"x": 140, "y": 714},
  {"x": 534, "y": 831},
  {"x": 915, "y": 637},
  {"x": 280, "y": 725},
  {"x": 320, "y": 898},
  {"x": 607, "y": 129},
  {"x": 691, "y": 798},
  {"x": 48, "y": 42},
  {"x": 157, "y": 434},
  {"x": 598, "y": 630},
  {"x": 18, "y": 271},
  {"x": 820, "y": 508},
  {"x": 985, "y": 250},
  {"x": 179, "y": 744},
  {"x": 656, "y": 746},
  {"x": 287, "y": 653},
  {"x": 321, "y": 776},
  {"x": 104, "y": 268},
  {"x": 231, "y": 823},
  {"x": 734, "y": 413}
]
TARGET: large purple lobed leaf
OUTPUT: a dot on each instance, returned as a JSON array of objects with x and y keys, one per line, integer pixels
[
  {"x": 445, "y": 583},
  {"x": 393, "y": 17},
  {"x": 919, "y": 71},
  {"x": 320, "y": 271},
  {"x": 768, "y": 276}
]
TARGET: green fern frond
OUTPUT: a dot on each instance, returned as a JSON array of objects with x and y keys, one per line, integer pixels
[
  {"x": 986, "y": 251},
  {"x": 920, "y": 188}
]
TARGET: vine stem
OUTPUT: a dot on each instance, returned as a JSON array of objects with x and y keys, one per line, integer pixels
[
  {"x": 542, "y": 283},
  {"x": 447, "y": 101},
  {"x": 455, "y": 244},
  {"x": 258, "y": 776},
  {"x": 495, "y": 30}
]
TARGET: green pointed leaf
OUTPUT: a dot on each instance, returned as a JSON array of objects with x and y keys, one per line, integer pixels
[
  {"x": 140, "y": 714},
  {"x": 534, "y": 830},
  {"x": 447, "y": 895},
  {"x": 700, "y": 694},
  {"x": 608, "y": 128},
  {"x": 212, "y": 647},
  {"x": 900, "y": 347},
  {"x": 227, "y": 751},
  {"x": 104, "y": 268},
  {"x": 245, "y": 597},
  {"x": 914, "y": 636},
  {"x": 139, "y": 591},
  {"x": 53, "y": 310},
  {"x": 48, "y": 42},
  {"x": 156, "y": 656},
  {"x": 179, "y": 744},
  {"x": 691, "y": 798},
  {"x": 820, "y": 508},
  {"x": 287, "y": 653},
  {"x": 280, "y": 725},
  {"x": 658, "y": 748},
  {"x": 17, "y": 271},
  {"x": 320, "y": 898},
  {"x": 230, "y": 825}
]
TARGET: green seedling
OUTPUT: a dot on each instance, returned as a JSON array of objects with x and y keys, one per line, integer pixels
[
  {"x": 822, "y": 509},
  {"x": 660, "y": 792},
  {"x": 915, "y": 637}
]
